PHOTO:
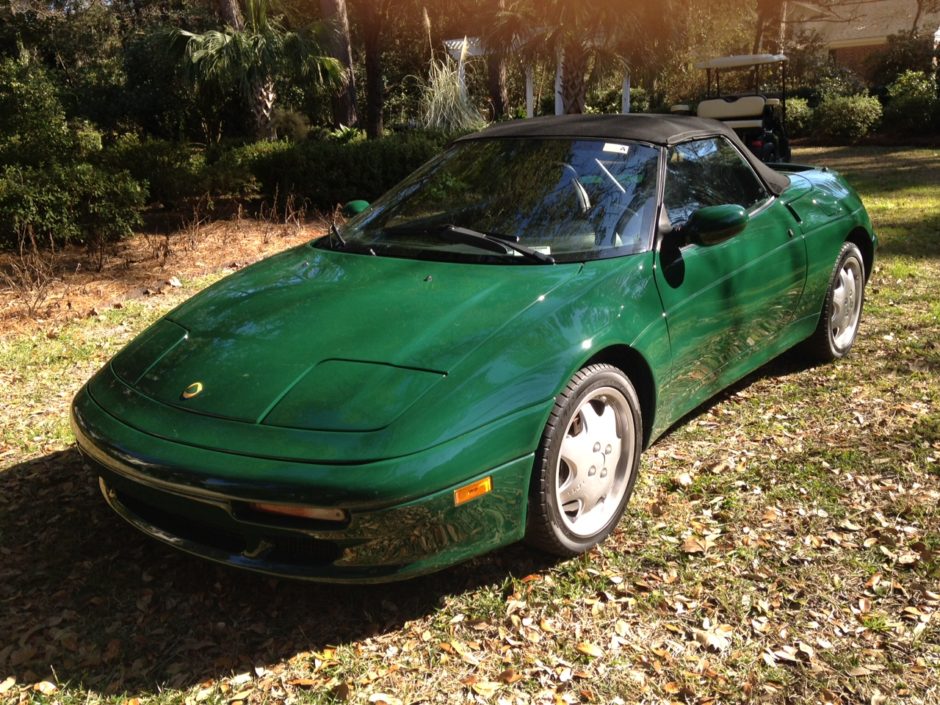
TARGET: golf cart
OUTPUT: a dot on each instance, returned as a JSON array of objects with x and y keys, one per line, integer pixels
[{"x": 759, "y": 119}]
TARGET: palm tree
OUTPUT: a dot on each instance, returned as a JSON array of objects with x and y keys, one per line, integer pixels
[
  {"x": 344, "y": 100},
  {"x": 374, "y": 21},
  {"x": 583, "y": 36},
  {"x": 253, "y": 56}
]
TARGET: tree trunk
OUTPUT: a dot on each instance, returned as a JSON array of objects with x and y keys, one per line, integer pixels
[
  {"x": 340, "y": 48},
  {"x": 499, "y": 93},
  {"x": 264, "y": 95},
  {"x": 231, "y": 14},
  {"x": 496, "y": 73},
  {"x": 573, "y": 83},
  {"x": 375, "y": 87}
]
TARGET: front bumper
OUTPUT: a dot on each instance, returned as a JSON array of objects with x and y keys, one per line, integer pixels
[{"x": 209, "y": 516}]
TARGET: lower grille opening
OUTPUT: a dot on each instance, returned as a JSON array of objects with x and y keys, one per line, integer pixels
[
  {"x": 284, "y": 549},
  {"x": 302, "y": 550},
  {"x": 184, "y": 527}
]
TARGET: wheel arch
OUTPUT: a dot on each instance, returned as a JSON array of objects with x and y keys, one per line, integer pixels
[
  {"x": 629, "y": 361},
  {"x": 862, "y": 240}
]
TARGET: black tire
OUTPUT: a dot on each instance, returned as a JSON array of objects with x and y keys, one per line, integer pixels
[
  {"x": 834, "y": 335},
  {"x": 592, "y": 392}
]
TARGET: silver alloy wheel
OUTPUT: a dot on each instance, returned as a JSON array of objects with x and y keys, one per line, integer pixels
[
  {"x": 846, "y": 303},
  {"x": 595, "y": 461}
]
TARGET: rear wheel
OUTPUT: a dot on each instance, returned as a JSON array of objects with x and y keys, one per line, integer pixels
[
  {"x": 587, "y": 462},
  {"x": 842, "y": 308}
]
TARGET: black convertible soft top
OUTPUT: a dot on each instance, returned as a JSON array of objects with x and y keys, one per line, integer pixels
[{"x": 665, "y": 130}]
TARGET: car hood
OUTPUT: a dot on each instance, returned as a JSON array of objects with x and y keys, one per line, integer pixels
[{"x": 325, "y": 340}]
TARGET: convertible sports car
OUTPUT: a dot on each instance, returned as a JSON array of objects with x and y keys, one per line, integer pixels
[{"x": 478, "y": 357}]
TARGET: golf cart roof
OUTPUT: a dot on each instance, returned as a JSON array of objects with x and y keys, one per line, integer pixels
[{"x": 740, "y": 61}]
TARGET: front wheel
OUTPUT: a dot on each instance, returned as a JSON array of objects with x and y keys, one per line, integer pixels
[
  {"x": 587, "y": 462},
  {"x": 842, "y": 308}
]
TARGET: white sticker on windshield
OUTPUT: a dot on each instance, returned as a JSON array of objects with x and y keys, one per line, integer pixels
[{"x": 616, "y": 148}]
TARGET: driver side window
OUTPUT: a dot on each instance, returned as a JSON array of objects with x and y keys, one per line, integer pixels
[{"x": 708, "y": 172}]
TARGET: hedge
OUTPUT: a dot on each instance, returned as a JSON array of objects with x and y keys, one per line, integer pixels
[
  {"x": 326, "y": 173},
  {"x": 846, "y": 119}
]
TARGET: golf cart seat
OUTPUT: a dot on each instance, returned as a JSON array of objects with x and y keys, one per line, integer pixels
[{"x": 737, "y": 112}]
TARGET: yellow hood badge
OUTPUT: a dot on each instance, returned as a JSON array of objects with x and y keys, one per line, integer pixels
[{"x": 195, "y": 389}]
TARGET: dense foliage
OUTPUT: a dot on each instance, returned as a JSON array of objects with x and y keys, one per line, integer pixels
[
  {"x": 912, "y": 102},
  {"x": 799, "y": 117},
  {"x": 846, "y": 119},
  {"x": 53, "y": 184}
]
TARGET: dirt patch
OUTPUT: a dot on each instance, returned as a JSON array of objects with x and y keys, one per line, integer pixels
[{"x": 147, "y": 264}]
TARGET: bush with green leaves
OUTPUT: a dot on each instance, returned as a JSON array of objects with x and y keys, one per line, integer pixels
[
  {"x": 799, "y": 117},
  {"x": 905, "y": 52},
  {"x": 33, "y": 129},
  {"x": 838, "y": 82},
  {"x": 912, "y": 102},
  {"x": 51, "y": 183},
  {"x": 846, "y": 119},
  {"x": 173, "y": 171},
  {"x": 325, "y": 173}
]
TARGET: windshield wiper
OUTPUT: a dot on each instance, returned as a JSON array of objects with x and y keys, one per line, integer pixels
[{"x": 494, "y": 242}]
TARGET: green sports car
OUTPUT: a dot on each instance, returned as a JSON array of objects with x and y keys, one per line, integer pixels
[{"x": 478, "y": 357}]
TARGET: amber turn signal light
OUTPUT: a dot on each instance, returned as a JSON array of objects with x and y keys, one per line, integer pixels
[{"x": 472, "y": 491}]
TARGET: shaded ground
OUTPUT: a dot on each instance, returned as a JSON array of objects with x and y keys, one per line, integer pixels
[{"x": 781, "y": 546}]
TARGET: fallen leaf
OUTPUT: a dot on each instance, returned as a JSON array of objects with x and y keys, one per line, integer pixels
[
  {"x": 342, "y": 691},
  {"x": 859, "y": 671},
  {"x": 302, "y": 682},
  {"x": 485, "y": 688},
  {"x": 590, "y": 649},
  {"x": 45, "y": 687},
  {"x": 509, "y": 676},
  {"x": 384, "y": 699},
  {"x": 716, "y": 639},
  {"x": 7, "y": 684}
]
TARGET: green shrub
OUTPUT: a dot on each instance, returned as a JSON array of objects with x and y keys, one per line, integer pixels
[
  {"x": 912, "y": 102},
  {"x": 106, "y": 204},
  {"x": 327, "y": 173},
  {"x": 904, "y": 52},
  {"x": 838, "y": 82},
  {"x": 611, "y": 101},
  {"x": 33, "y": 130},
  {"x": 33, "y": 198},
  {"x": 290, "y": 125},
  {"x": 173, "y": 171},
  {"x": 76, "y": 202},
  {"x": 846, "y": 119},
  {"x": 799, "y": 117},
  {"x": 53, "y": 181},
  {"x": 231, "y": 173}
]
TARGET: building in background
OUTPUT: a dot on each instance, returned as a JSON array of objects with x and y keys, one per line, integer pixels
[{"x": 854, "y": 31}]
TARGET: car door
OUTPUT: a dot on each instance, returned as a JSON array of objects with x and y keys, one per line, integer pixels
[{"x": 724, "y": 303}]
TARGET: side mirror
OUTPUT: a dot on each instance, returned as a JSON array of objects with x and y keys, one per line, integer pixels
[
  {"x": 354, "y": 208},
  {"x": 714, "y": 224}
]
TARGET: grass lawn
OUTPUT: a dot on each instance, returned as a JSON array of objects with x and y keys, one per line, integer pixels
[{"x": 781, "y": 547}]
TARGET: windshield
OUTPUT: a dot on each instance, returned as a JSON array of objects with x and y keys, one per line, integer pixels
[{"x": 515, "y": 201}]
